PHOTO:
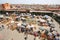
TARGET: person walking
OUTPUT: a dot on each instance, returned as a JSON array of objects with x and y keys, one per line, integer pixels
[{"x": 35, "y": 35}]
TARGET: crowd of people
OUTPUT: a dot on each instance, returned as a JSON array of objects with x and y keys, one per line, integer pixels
[{"x": 36, "y": 25}]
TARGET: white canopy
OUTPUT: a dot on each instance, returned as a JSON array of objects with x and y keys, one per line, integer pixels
[
  {"x": 12, "y": 21},
  {"x": 1, "y": 16},
  {"x": 42, "y": 20}
]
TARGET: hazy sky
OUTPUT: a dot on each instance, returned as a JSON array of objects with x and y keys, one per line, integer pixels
[{"x": 30, "y": 1}]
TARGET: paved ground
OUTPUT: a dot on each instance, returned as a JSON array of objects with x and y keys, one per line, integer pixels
[
  {"x": 7, "y": 34},
  {"x": 56, "y": 25}
]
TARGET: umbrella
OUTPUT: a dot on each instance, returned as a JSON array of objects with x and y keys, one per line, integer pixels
[
  {"x": 42, "y": 20},
  {"x": 12, "y": 21},
  {"x": 46, "y": 16},
  {"x": 42, "y": 28},
  {"x": 1, "y": 16},
  {"x": 19, "y": 24}
]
